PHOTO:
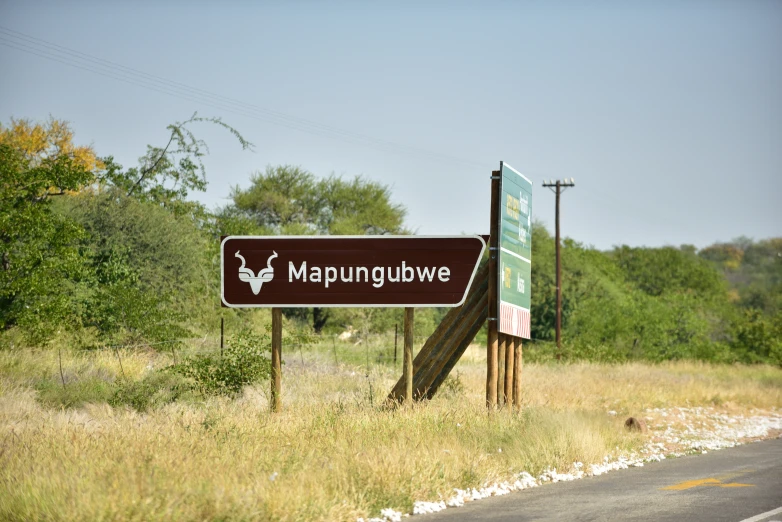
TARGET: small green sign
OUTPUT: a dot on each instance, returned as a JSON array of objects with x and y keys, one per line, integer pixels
[{"x": 515, "y": 255}]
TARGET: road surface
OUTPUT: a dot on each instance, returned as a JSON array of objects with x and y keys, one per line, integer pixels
[{"x": 735, "y": 484}]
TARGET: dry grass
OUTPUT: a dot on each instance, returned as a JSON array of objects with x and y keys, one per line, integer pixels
[{"x": 334, "y": 453}]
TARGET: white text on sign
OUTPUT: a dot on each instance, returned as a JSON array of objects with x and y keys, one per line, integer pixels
[{"x": 380, "y": 274}]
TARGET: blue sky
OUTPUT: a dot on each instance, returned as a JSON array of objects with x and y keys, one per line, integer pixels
[{"x": 667, "y": 114}]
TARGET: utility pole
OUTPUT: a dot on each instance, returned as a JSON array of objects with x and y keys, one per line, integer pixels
[{"x": 558, "y": 188}]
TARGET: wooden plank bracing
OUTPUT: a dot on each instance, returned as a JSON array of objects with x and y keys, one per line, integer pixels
[{"x": 446, "y": 345}]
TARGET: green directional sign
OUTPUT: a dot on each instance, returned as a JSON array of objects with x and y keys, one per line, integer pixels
[{"x": 515, "y": 256}]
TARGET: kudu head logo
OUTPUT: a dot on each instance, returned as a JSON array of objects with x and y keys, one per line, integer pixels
[{"x": 256, "y": 281}]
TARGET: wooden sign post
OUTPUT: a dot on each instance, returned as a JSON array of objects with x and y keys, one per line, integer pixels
[
  {"x": 407, "y": 363},
  {"x": 491, "y": 339},
  {"x": 509, "y": 368},
  {"x": 517, "y": 367},
  {"x": 276, "y": 360}
]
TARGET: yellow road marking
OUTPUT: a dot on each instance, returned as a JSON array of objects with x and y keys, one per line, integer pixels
[{"x": 688, "y": 484}]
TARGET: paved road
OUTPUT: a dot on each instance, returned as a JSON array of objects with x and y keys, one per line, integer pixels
[{"x": 733, "y": 484}]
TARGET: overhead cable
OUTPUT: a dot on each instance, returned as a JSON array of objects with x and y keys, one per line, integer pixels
[{"x": 58, "y": 53}]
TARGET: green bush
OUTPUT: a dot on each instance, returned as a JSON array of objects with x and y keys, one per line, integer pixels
[
  {"x": 757, "y": 338},
  {"x": 243, "y": 362},
  {"x": 154, "y": 390},
  {"x": 52, "y": 393}
]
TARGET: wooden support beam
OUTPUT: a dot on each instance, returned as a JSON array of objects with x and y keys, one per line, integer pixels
[
  {"x": 454, "y": 349},
  {"x": 517, "y": 367},
  {"x": 491, "y": 367},
  {"x": 510, "y": 369},
  {"x": 491, "y": 342},
  {"x": 501, "y": 369},
  {"x": 408, "y": 354},
  {"x": 442, "y": 348},
  {"x": 276, "y": 360},
  {"x": 459, "y": 349}
]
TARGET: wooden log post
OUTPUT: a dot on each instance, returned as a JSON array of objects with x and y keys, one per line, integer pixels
[
  {"x": 502, "y": 344},
  {"x": 396, "y": 335},
  {"x": 222, "y": 334},
  {"x": 510, "y": 370},
  {"x": 517, "y": 367},
  {"x": 276, "y": 360},
  {"x": 491, "y": 341},
  {"x": 407, "y": 360}
]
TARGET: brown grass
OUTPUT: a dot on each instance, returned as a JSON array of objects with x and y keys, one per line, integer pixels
[{"x": 332, "y": 454}]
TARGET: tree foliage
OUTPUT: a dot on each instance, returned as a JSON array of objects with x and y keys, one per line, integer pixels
[
  {"x": 167, "y": 175},
  {"x": 123, "y": 256},
  {"x": 288, "y": 200},
  {"x": 88, "y": 245},
  {"x": 37, "y": 164},
  {"x": 38, "y": 142}
]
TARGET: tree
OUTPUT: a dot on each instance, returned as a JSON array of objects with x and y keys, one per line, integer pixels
[
  {"x": 38, "y": 143},
  {"x": 288, "y": 200},
  {"x": 758, "y": 338},
  {"x": 753, "y": 269},
  {"x": 166, "y": 175},
  {"x": 726, "y": 256},
  {"x": 115, "y": 249},
  {"x": 146, "y": 267},
  {"x": 656, "y": 271},
  {"x": 38, "y": 163}
]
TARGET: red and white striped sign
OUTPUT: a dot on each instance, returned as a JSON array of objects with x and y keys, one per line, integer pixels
[{"x": 514, "y": 320}]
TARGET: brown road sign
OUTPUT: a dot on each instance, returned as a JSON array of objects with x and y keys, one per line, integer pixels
[{"x": 330, "y": 271}]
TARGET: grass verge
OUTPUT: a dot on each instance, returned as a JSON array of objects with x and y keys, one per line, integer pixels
[{"x": 335, "y": 453}]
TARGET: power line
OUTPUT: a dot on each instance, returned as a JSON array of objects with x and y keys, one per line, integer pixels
[
  {"x": 172, "y": 91},
  {"x": 70, "y": 57}
]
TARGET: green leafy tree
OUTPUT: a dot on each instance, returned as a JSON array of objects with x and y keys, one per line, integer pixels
[
  {"x": 758, "y": 338},
  {"x": 85, "y": 243},
  {"x": 37, "y": 164},
  {"x": 149, "y": 268},
  {"x": 659, "y": 270},
  {"x": 759, "y": 278},
  {"x": 288, "y": 200}
]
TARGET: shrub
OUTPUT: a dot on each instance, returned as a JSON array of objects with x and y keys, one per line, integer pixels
[
  {"x": 154, "y": 390},
  {"x": 757, "y": 338},
  {"x": 52, "y": 393},
  {"x": 243, "y": 362}
]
